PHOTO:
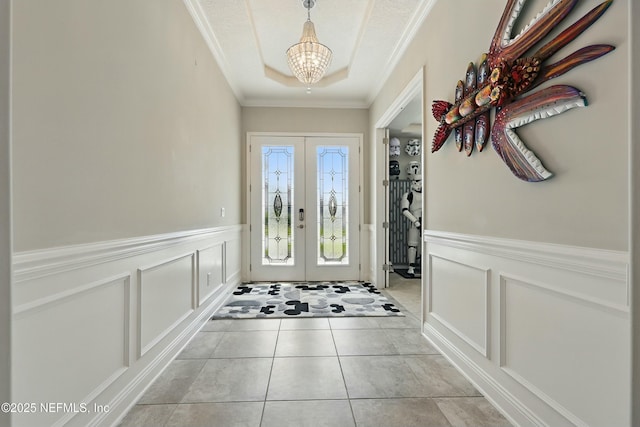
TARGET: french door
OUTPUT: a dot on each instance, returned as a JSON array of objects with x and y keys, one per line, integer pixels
[{"x": 304, "y": 207}]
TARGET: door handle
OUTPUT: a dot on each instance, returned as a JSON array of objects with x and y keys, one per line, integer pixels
[{"x": 301, "y": 215}]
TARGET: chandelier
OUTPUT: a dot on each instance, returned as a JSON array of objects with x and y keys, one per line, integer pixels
[{"x": 309, "y": 59}]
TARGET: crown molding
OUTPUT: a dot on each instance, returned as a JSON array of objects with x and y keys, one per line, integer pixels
[
  {"x": 198, "y": 16},
  {"x": 422, "y": 11}
]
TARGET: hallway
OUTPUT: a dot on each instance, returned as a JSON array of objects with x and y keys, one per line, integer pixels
[{"x": 335, "y": 372}]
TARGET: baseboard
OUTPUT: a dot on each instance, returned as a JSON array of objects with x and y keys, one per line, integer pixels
[
  {"x": 122, "y": 403},
  {"x": 513, "y": 409},
  {"x": 533, "y": 325},
  {"x": 111, "y": 315}
]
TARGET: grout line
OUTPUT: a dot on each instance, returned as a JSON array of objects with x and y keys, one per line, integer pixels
[
  {"x": 344, "y": 381},
  {"x": 273, "y": 359},
  {"x": 224, "y": 334}
]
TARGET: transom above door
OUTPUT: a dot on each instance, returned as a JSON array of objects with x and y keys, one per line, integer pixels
[{"x": 304, "y": 207}]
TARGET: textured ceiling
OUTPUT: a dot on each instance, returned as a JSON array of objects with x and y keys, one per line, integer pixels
[{"x": 249, "y": 39}]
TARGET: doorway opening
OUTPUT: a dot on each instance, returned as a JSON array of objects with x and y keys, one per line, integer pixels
[{"x": 399, "y": 154}]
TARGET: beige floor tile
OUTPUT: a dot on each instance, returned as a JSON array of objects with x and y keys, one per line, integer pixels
[
  {"x": 231, "y": 380},
  {"x": 363, "y": 342},
  {"x": 471, "y": 412},
  {"x": 148, "y": 415},
  {"x": 309, "y": 413},
  {"x": 440, "y": 377},
  {"x": 380, "y": 377},
  {"x": 353, "y": 323},
  {"x": 405, "y": 322},
  {"x": 201, "y": 346},
  {"x": 414, "y": 308},
  {"x": 228, "y": 325},
  {"x": 398, "y": 412},
  {"x": 254, "y": 325},
  {"x": 305, "y": 343},
  {"x": 406, "y": 292},
  {"x": 245, "y": 414},
  {"x": 409, "y": 341},
  {"x": 227, "y": 374},
  {"x": 306, "y": 378},
  {"x": 246, "y": 344},
  {"x": 217, "y": 325},
  {"x": 312, "y": 323},
  {"x": 173, "y": 383}
]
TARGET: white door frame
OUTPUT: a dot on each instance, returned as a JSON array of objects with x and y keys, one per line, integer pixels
[
  {"x": 247, "y": 234},
  {"x": 380, "y": 170}
]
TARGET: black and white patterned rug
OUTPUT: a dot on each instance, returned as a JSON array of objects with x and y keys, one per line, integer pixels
[{"x": 306, "y": 299}]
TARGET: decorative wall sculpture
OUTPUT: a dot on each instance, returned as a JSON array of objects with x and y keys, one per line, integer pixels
[{"x": 504, "y": 74}]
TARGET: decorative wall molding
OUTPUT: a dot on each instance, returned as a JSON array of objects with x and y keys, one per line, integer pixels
[
  {"x": 596, "y": 262},
  {"x": 170, "y": 300},
  {"x": 553, "y": 311},
  {"x": 546, "y": 398},
  {"x": 69, "y": 326},
  {"x": 424, "y": 8},
  {"x": 199, "y": 18},
  {"x": 111, "y": 285},
  {"x": 208, "y": 280},
  {"x": 494, "y": 391},
  {"x": 483, "y": 347},
  {"x": 127, "y": 396},
  {"x": 74, "y": 292},
  {"x": 43, "y": 303},
  {"x": 30, "y": 265}
]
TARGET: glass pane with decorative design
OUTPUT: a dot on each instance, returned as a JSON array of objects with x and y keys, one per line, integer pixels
[
  {"x": 333, "y": 184},
  {"x": 277, "y": 202}
]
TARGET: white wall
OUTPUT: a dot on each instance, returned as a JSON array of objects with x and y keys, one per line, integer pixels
[
  {"x": 634, "y": 111},
  {"x": 123, "y": 129},
  {"x": 586, "y": 203},
  {"x": 123, "y": 124},
  {"x": 5, "y": 210},
  {"x": 527, "y": 285}
]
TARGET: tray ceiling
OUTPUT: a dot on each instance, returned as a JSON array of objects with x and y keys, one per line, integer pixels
[{"x": 249, "y": 39}]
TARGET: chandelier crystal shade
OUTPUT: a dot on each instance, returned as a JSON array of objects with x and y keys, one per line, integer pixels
[{"x": 309, "y": 59}]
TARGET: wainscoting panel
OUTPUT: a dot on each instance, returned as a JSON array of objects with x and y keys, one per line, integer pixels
[
  {"x": 557, "y": 326},
  {"x": 165, "y": 297},
  {"x": 459, "y": 300},
  {"x": 82, "y": 338},
  {"x": 210, "y": 271},
  {"x": 95, "y": 324},
  {"x": 566, "y": 353},
  {"x": 233, "y": 259}
]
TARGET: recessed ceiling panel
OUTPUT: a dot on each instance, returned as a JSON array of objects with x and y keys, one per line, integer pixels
[
  {"x": 366, "y": 37},
  {"x": 337, "y": 24}
]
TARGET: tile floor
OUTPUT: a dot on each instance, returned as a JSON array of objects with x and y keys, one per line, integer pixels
[{"x": 336, "y": 372}]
